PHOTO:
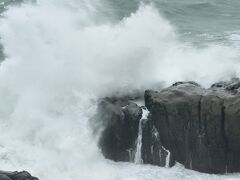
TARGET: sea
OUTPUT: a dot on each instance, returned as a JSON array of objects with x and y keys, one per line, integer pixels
[{"x": 58, "y": 57}]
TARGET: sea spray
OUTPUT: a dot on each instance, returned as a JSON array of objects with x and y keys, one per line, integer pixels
[{"x": 60, "y": 59}]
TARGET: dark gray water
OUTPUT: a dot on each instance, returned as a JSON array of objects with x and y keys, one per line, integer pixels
[{"x": 196, "y": 20}]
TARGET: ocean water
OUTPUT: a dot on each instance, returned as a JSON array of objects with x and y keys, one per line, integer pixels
[{"x": 59, "y": 56}]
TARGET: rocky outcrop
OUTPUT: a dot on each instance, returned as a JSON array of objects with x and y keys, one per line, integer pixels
[
  {"x": 197, "y": 127},
  {"x": 152, "y": 150},
  {"x": 200, "y": 127},
  {"x": 5, "y": 175},
  {"x": 123, "y": 120},
  {"x": 120, "y": 119}
]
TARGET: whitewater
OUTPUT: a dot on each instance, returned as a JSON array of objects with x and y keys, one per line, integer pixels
[{"x": 60, "y": 56}]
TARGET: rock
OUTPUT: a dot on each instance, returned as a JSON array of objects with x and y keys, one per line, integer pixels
[
  {"x": 232, "y": 132},
  {"x": 5, "y": 175},
  {"x": 232, "y": 86},
  {"x": 120, "y": 119},
  {"x": 197, "y": 127},
  {"x": 153, "y": 151},
  {"x": 200, "y": 127}
]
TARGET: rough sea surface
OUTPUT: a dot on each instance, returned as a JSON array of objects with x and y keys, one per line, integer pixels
[{"x": 59, "y": 56}]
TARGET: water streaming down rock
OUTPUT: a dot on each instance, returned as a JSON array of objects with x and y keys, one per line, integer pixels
[
  {"x": 138, "y": 156},
  {"x": 184, "y": 123},
  {"x": 167, "y": 161},
  {"x": 151, "y": 141},
  {"x": 199, "y": 126},
  {"x": 129, "y": 133},
  {"x": 65, "y": 56}
]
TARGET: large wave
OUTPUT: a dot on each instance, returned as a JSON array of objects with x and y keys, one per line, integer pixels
[{"x": 61, "y": 56}]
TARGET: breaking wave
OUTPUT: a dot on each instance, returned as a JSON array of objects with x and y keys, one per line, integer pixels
[{"x": 61, "y": 56}]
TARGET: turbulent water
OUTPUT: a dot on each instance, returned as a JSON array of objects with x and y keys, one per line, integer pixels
[{"x": 59, "y": 56}]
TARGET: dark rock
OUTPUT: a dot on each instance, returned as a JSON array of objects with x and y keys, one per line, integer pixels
[
  {"x": 187, "y": 82},
  {"x": 153, "y": 151},
  {"x": 232, "y": 132},
  {"x": 120, "y": 119},
  {"x": 197, "y": 127},
  {"x": 5, "y": 175},
  {"x": 175, "y": 115},
  {"x": 200, "y": 127},
  {"x": 231, "y": 86}
]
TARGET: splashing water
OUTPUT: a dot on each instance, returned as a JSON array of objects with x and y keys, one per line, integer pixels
[
  {"x": 61, "y": 56},
  {"x": 138, "y": 156},
  {"x": 167, "y": 165}
]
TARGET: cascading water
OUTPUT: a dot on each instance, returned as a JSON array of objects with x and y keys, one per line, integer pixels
[
  {"x": 61, "y": 56},
  {"x": 167, "y": 164},
  {"x": 138, "y": 156}
]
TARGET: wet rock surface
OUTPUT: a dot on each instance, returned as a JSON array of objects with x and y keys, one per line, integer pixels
[
  {"x": 120, "y": 119},
  {"x": 197, "y": 127},
  {"x": 201, "y": 127},
  {"x": 153, "y": 151},
  {"x": 24, "y": 175}
]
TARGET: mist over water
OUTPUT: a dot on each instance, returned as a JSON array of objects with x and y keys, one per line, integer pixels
[{"x": 61, "y": 56}]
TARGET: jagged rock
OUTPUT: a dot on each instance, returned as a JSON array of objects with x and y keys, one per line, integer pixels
[
  {"x": 120, "y": 119},
  {"x": 5, "y": 175},
  {"x": 200, "y": 127},
  {"x": 153, "y": 151},
  {"x": 231, "y": 86}
]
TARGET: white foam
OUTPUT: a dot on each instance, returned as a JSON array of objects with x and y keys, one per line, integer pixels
[{"x": 61, "y": 56}]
